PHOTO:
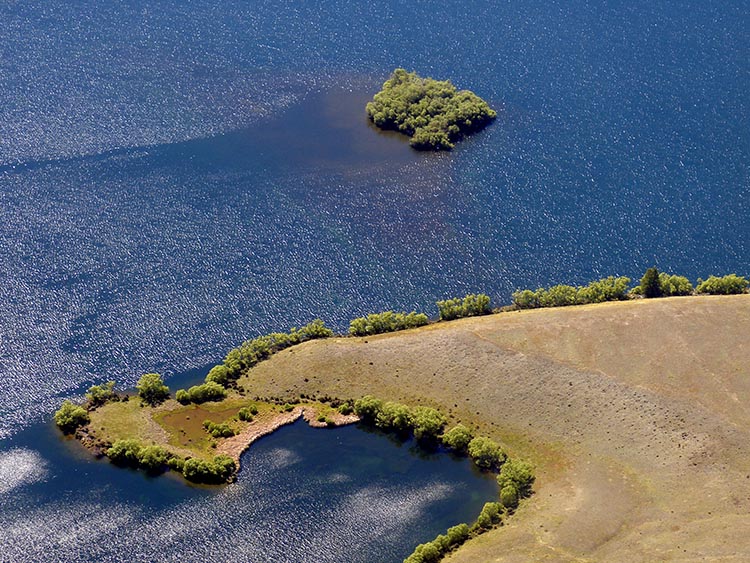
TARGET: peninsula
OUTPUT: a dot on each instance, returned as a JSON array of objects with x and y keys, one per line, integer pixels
[
  {"x": 432, "y": 112},
  {"x": 631, "y": 408}
]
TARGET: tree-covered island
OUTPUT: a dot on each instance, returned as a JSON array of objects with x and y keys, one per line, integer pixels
[{"x": 432, "y": 112}]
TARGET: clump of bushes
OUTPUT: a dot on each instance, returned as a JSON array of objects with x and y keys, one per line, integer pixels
[
  {"x": 424, "y": 423},
  {"x": 387, "y": 321},
  {"x": 69, "y": 417},
  {"x": 132, "y": 453},
  {"x": 442, "y": 545},
  {"x": 489, "y": 517},
  {"x": 257, "y": 349},
  {"x": 346, "y": 408},
  {"x": 218, "y": 470},
  {"x": 470, "y": 306},
  {"x": 151, "y": 389},
  {"x": 486, "y": 453},
  {"x": 247, "y": 413},
  {"x": 660, "y": 284},
  {"x": 432, "y": 112},
  {"x": 731, "y": 284},
  {"x": 515, "y": 480},
  {"x": 218, "y": 430},
  {"x": 209, "y": 391},
  {"x": 155, "y": 459},
  {"x": 606, "y": 289},
  {"x": 457, "y": 438},
  {"x": 98, "y": 395}
]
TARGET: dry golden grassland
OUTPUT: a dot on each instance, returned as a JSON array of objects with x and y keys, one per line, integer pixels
[{"x": 637, "y": 415}]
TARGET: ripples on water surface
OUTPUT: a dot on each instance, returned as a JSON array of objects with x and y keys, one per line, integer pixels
[{"x": 174, "y": 179}]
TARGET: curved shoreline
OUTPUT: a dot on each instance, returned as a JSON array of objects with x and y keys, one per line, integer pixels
[{"x": 236, "y": 445}]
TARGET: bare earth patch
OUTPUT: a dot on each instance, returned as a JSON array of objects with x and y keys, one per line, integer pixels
[{"x": 637, "y": 415}]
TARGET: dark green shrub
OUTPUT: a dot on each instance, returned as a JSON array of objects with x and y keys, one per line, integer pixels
[
  {"x": 671, "y": 285},
  {"x": 509, "y": 496},
  {"x": 517, "y": 473},
  {"x": 470, "y": 306},
  {"x": 346, "y": 408},
  {"x": 427, "y": 423},
  {"x": 153, "y": 458},
  {"x": 650, "y": 284},
  {"x": 98, "y": 395},
  {"x": 458, "y": 438},
  {"x": 218, "y": 430},
  {"x": 457, "y": 535},
  {"x": 125, "y": 452},
  {"x": 606, "y": 289},
  {"x": 218, "y": 374},
  {"x": 250, "y": 352},
  {"x": 726, "y": 285},
  {"x": 218, "y": 470},
  {"x": 70, "y": 416},
  {"x": 151, "y": 389},
  {"x": 489, "y": 517},
  {"x": 367, "y": 408},
  {"x": 246, "y": 414},
  {"x": 526, "y": 299},
  {"x": 394, "y": 417},
  {"x": 486, "y": 453},
  {"x": 287, "y": 407},
  {"x": 202, "y": 393}
]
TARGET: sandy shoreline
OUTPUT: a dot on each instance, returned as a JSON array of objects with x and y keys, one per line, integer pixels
[{"x": 236, "y": 445}]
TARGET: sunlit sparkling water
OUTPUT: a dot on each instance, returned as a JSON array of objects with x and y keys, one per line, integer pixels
[
  {"x": 302, "y": 495},
  {"x": 174, "y": 179}
]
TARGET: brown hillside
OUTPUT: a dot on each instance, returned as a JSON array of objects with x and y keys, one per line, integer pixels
[{"x": 637, "y": 415}]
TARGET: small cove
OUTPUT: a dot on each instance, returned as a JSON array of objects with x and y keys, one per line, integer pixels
[{"x": 302, "y": 494}]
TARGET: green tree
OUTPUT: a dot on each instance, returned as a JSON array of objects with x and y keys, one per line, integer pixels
[
  {"x": 367, "y": 408},
  {"x": 650, "y": 286},
  {"x": 151, "y": 389},
  {"x": 427, "y": 423},
  {"x": 489, "y": 517},
  {"x": 70, "y": 416},
  {"x": 153, "y": 458},
  {"x": 98, "y": 395},
  {"x": 458, "y": 438},
  {"x": 486, "y": 453},
  {"x": 125, "y": 452},
  {"x": 518, "y": 473},
  {"x": 731, "y": 284}
]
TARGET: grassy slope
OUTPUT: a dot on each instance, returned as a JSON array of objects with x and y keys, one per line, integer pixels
[{"x": 636, "y": 413}]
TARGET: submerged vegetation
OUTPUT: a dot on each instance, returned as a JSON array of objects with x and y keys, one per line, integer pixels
[{"x": 432, "y": 112}]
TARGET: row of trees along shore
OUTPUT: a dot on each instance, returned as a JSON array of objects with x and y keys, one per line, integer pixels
[
  {"x": 152, "y": 390},
  {"x": 428, "y": 427}
]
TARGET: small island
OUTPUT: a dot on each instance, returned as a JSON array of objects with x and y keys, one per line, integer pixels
[{"x": 432, "y": 112}]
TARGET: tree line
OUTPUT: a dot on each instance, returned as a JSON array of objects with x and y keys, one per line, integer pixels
[{"x": 653, "y": 284}]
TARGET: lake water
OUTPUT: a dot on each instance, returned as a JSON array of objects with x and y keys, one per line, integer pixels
[
  {"x": 177, "y": 177},
  {"x": 302, "y": 495}
]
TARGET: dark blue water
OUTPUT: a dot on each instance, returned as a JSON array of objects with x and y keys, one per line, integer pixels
[
  {"x": 331, "y": 495},
  {"x": 177, "y": 177}
]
